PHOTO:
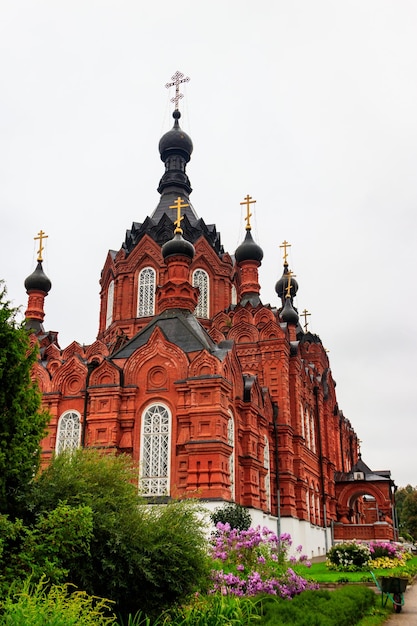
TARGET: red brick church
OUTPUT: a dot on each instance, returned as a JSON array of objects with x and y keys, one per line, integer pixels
[{"x": 215, "y": 394}]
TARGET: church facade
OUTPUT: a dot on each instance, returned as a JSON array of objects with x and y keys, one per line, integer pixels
[{"x": 215, "y": 395}]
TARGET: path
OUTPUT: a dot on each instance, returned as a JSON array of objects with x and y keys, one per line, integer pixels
[{"x": 408, "y": 615}]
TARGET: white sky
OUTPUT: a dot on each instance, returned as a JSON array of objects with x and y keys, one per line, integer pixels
[{"x": 310, "y": 106}]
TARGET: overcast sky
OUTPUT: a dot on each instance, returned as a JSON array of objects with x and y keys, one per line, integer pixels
[{"x": 309, "y": 106}]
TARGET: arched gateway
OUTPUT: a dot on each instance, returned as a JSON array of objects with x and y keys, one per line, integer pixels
[{"x": 365, "y": 504}]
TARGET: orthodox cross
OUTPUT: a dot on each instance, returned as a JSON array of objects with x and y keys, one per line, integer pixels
[
  {"x": 41, "y": 236},
  {"x": 290, "y": 275},
  {"x": 178, "y": 205},
  {"x": 248, "y": 201},
  {"x": 177, "y": 79},
  {"x": 305, "y": 314},
  {"x": 285, "y": 245}
]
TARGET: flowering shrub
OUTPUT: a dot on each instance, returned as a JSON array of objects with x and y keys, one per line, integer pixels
[
  {"x": 255, "y": 561},
  {"x": 350, "y": 556},
  {"x": 386, "y": 555}
]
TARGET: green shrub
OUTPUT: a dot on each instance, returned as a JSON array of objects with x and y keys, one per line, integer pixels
[
  {"x": 140, "y": 557},
  {"x": 40, "y": 605},
  {"x": 344, "y": 607},
  {"x": 236, "y": 515},
  {"x": 54, "y": 545},
  {"x": 349, "y": 556}
]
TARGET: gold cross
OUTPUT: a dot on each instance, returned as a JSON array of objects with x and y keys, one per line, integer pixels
[
  {"x": 285, "y": 245},
  {"x": 248, "y": 201},
  {"x": 290, "y": 275},
  {"x": 179, "y": 204},
  {"x": 41, "y": 236},
  {"x": 305, "y": 314},
  {"x": 177, "y": 79}
]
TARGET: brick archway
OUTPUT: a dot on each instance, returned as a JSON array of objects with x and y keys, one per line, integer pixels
[{"x": 364, "y": 518}]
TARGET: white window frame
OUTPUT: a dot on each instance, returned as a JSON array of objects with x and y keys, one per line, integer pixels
[
  {"x": 155, "y": 450},
  {"x": 68, "y": 432},
  {"x": 201, "y": 280},
  {"x": 146, "y": 292},
  {"x": 110, "y": 304}
]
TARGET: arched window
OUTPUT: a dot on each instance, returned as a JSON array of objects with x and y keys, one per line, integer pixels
[
  {"x": 110, "y": 302},
  {"x": 307, "y": 425},
  {"x": 267, "y": 466},
  {"x": 313, "y": 432},
  {"x": 201, "y": 280},
  {"x": 146, "y": 292},
  {"x": 302, "y": 421},
  {"x": 231, "y": 442},
  {"x": 234, "y": 295},
  {"x": 155, "y": 451},
  {"x": 68, "y": 436}
]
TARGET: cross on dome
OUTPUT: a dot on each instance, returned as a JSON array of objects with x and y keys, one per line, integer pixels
[
  {"x": 178, "y": 205},
  {"x": 41, "y": 236},
  {"x": 305, "y": 314},
  {"x": 285, "y": 245},
  {"x": 177, "y": 79},
  {"x": 248, "y": 201}
]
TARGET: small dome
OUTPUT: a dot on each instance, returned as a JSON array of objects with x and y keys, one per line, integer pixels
[
  {"x": 38, "y": 280},
  {"x": 281, "y": 285},
  {"x": 175, "y": 141},
  {"x": 249, "y": 250},
  {"x": 178, "y": 245},
  {"x": 288, "y": 313}
]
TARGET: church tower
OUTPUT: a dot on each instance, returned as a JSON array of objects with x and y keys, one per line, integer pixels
[{"x": 214, "y": 394}]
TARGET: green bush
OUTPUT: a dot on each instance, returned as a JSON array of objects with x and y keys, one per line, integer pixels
[
  {"x": 344, "y": 607},
  {"x": 140, "y": 557},
  {"x": 349, "y": 556},
  {"x": 234, "y": 514},
  {"x": 55, "y": 544},
  {"x": 40, "y": 605}
]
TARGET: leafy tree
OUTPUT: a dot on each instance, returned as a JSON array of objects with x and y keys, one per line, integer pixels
[
  {"x": 140, "y": 557},
  {"x": 409, "y": 513},
  {"x": 406, "y": 505},
  {"x": 22, "y": 423},
  {"x": 234, "y": 514}
]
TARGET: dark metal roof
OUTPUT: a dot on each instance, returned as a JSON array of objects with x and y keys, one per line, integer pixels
[{"x": 179, "y": 328}]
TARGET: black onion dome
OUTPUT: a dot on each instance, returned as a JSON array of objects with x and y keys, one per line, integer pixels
[
  {"x": 175, "y": 141},
  {"x": 249, "y": 250},
  {"x": 178, "y": 245},
  {"x": 38, "y": 280},
  {"x": 281, "y": 285},
  {"x": 288, "y": 313}
]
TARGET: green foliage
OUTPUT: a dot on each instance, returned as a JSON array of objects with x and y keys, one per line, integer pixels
[
  {"x": 409, "y": 513},
  {"x": 55, "y": 544},
  {"x": 344, "y": 607},
  {"x": 140, "y": 557},
  {"x": 40, "y": 605},
  {"x": 236, "y": 515},
  {"x": 349, "y": 556},
  {"x": 22, "y": 423},
  {"x": 215, "y": 610}
]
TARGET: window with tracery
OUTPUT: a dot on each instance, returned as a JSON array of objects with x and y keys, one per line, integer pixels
[
  {"x": 68, "y": 436},
  {"x": 155, "y": 451},
  {"x": 146, "y": 292},
  {"x": 201, "y": 280},
  {"x": 231, "y": 442},
  {"x": 267, "y": 466},
  {"x": 110, "y": 302}
]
